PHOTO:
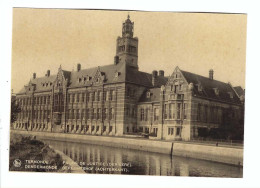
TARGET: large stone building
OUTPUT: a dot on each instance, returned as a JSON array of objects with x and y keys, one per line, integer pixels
[{"x": 118, "y": 99}]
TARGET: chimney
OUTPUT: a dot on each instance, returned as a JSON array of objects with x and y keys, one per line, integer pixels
[
  {"x": 78, "y": 67},
  {"x": 161, "y": 73},
  {"x": 154, "y": 78},
  {"x": 116, "y": 60},
  {"x": 34, "y": 75},
  {"x": 48, "y": 73},
  {"x": 211, "y": 72}
]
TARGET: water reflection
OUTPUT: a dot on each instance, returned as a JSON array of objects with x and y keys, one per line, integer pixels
[{"x": 93, "y": 158}]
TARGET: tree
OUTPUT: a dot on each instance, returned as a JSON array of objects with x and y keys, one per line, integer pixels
[{"x": 15, "y": 109}]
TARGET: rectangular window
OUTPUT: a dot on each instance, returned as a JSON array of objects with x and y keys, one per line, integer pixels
[
  {"x": 180, "y": 87},
  {"x": 98, "y": 95},
  {"x": 72, "y": 98},
  {"x": 170, "y": 131},
  {"x": 142, "y": 114},
  {"x": 105, "y": 113},
  {"x": 199, "y": 112},
  {"x": 205, "y": 113},
  {"x": 107, "y": 95},
  {"x": 165, "y": 111},
  {"x": 175, "y": 88},
  {"x": 98, "y": 113},
  {"x": 179, "y": 111},
  {"x": 94, "y": 95},
  {"x": 87, "y": 97},
  {"x": 87, "y": 113},
  {"x": 111, "y": 95},
  {"x": 156, "y": 114},
  {"x": 97, "y": 128},
  {"x": 82, "y": 97},
  {"x": 104, "y": 95},
  {"x": 77, "y": 97},
  {"x": 185, "y": 111},
  {"x": 178, "y": 131},
  {"x": 146, "y": 114}
]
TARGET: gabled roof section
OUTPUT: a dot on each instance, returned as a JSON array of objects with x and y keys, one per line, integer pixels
[
  {"x": 86, "y": 77},
  {"x": 239, "y": 90},
  {"x": 143, "y": 78},
  {"x": 41, "y": 84},
  {"x": 206, "y": 88}
]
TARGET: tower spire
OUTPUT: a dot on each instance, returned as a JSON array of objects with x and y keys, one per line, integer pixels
[
  {"x": 127, "y": 45},
  {"x": 128, "y": 28}
]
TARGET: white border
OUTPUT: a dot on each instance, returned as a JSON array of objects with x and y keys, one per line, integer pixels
[{"x": 252, "y": 126}]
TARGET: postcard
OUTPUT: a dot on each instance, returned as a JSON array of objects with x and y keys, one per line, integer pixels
[{"x": 128, "y": 92}]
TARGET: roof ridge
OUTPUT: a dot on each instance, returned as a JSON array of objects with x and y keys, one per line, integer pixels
[{"x": 204, "y": 76}]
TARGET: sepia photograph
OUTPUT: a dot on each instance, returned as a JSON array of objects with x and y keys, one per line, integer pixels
[{"x": 128, "y": 92}]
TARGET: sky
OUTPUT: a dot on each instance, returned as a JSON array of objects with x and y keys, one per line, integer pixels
[{"x": 44, "y": 39}]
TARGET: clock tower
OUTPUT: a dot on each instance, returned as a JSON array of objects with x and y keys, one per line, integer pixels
[{"x": 127, "y": 45}]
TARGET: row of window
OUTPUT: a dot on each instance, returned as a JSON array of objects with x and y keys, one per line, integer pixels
[
  {"x": 145, "y": 114},
  {"x": 37, "y": 114},
  {"x": 129, "y": 49},
  {"x": 36, "y": 100},
  {"x": 108, "y": 113},
  {"x": 209, "y": 114},
  {"x": 171, "y": 111},
  {"x": 176, "y": 88},
  {"x": 88, "y": 128},
  {"x": 91, "y": 96},
  {"x": 171, "y": 131}
]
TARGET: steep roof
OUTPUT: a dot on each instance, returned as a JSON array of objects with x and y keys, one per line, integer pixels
[
  {"x": 154, "y": 95},
  {"x": 225, "y": 90},
  {"x": 125, "y": 74},
  {"x": 143, "y": 78},
  {"x": 239, "y": 90},
  {"x": 38, "y": 83}
]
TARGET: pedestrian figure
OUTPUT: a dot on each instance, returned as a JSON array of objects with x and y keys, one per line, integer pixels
[{"x": 217, "y": 144}]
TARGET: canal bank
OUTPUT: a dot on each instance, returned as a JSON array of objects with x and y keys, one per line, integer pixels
[{"x": 225, "y": 155}]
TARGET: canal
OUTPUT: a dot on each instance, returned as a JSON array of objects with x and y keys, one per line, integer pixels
[{"x": 108, "y": 160}]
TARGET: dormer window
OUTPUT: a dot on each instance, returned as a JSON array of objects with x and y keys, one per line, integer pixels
[
  {"x": 148, "y": 94},
  {"x": 85, "y": 79},
  {"x": 216, "y": 90},
  {"x": 88, "y": 78},
  {"x": 230, "y": 95},
  {"x": 80, "y": 79},
  {"x": 47, "y": 84},
  {"x": 199, "y": 87},
  {"x": 180, "y": 87},
  {"x": 117, "y": 74},
  {"x": 50, "y": 83},
  {"x": 43, "y": 84}
]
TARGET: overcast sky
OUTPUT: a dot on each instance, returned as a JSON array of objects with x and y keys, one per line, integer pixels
[{"x": 196, "y": 42}]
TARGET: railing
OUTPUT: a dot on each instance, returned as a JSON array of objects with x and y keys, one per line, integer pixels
[{"x": 218, "y": 141}]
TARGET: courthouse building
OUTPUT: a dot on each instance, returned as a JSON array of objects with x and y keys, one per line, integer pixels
[{"x": 119, "y": 99}]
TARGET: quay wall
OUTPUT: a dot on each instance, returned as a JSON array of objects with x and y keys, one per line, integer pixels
[{"x": 220, "y": 154}]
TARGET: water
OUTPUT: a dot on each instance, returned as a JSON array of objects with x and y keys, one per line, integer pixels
[{"x": 107, "y": 160}]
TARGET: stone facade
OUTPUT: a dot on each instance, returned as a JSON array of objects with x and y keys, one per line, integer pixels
[{"x": 119, "y": 99}]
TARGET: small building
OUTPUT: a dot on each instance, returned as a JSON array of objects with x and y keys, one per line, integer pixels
[{"x": 118, "y": 99}]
